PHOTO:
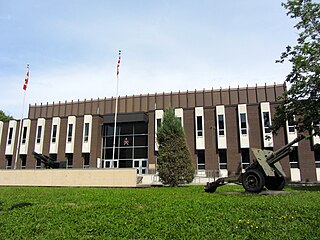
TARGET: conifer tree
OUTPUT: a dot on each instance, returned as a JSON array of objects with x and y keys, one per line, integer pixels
[{"x": 174, "y": 159}]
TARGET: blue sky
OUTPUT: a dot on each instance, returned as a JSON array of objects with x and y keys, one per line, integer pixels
[{"x": 72, "y": 47}]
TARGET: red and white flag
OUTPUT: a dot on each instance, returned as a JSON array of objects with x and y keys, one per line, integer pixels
[
  {"x": 118, "y": 65},
  {"x": 26, "y": 80}
]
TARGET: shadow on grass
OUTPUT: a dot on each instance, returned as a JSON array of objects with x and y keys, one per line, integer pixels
[
  {"x": 305, "y": 187},
  {"x": 20, "y": 205}
]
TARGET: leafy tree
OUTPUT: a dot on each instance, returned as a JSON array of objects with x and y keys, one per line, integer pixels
[
  {"x": 302, "y": 99},
  {"x": 4, "y": 117},
  {"x": 174, "y": 160}
]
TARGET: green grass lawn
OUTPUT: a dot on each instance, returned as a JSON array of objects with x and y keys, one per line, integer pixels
[{"x": 157, "y": 213}]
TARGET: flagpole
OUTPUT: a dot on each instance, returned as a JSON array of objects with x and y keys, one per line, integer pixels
[
  {"x": 21, "y": 119},
  {"x": 116, "y": 113}
]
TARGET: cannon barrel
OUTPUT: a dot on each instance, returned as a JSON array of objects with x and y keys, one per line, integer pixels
[{"x": 283, "y": 151}]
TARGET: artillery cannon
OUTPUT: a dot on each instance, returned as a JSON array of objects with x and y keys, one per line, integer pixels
[
  {"x": 265, "y": 171},
  {"x": 49, "y": 162}
]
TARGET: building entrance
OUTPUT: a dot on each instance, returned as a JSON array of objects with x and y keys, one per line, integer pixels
[{"x": 131, "y": 146}]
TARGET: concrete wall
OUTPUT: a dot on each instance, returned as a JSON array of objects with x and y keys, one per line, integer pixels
[{"x": 69, "y": 177}]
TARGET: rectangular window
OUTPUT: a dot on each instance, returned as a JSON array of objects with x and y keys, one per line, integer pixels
[
  {"x": 291, "y": 125},
  {"x": 24, "y": 135},
  {"x": 223, "y": 159},
  {"x": 39, "y": 134},
  {"x": 69, "y": 157},
  {"x": 158, "y": 123},
  {"x": 10, "y": 135},
  {"x": 70, "y": 128},
  {"x": 199, "y": 126},
  {"x": 317, "y": 156},
  {"x": 201, "y": 160},
  {"x": 54, "y": 133},
  {"x": 294, "y": 158},
  {"x": 245, "y": 157},
  {"x": 38, "y": 164},
  {"x": 86, "y": 160},
  {"x": 9, "y": 162},
  {"x": 243, "y": 123},
  {"x": 86, "y": 132},
  {"x": 266, "y": 122},
  {"x": 221, "y": 124},
  {"x": 23, "y": 161}
]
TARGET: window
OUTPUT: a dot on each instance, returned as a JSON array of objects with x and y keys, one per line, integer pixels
[
  {"x": 10, "y": 135},
  {"x": 199, "y": 126},
  {"x": 158, "y": 123},
  {"x": 39, "y": 134},
  {"x": 54, "y": 133},
  {"x": 245, "y": 157},
  {"x": 243, "y": 123},
  {"x": 317, "y": 155},
  {"x": 86, "y": 132},
  {"x": 223, "y": 159},
  {"x": 86, "y": 160},
  {"x": 38, "y": 164},
  {"x": 294, "y": 158},
  {"x": 69, "y": 157},
  {"x": 131, "y": 144},
  {"x": 201, "y": 160},
  {"x": 221, "y": 124},
  {"x": 266, "y": 122},
  {"x": 9, "y": 161},
  {"x": 24, "y": 135},
  {"x": 23, "y": 161},
  {"x": 70, "y": 128},
  {"x": 291, "y": 125}
]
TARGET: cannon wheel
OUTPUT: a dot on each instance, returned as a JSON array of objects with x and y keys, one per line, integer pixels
[
  {"x": 275, "y": 183},
  {"x": 253, "y": 180}
]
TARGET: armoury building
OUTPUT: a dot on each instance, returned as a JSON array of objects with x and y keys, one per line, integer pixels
[{"x": 220, "y": 125}]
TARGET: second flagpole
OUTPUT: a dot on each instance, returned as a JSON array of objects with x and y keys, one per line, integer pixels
[{"x": 116, "y": 113}]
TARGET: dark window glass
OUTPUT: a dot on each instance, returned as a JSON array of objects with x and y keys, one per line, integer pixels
[
  {"x": 10, "y": 136},
  {"x": 86, "y": 159},
  {"x": 24, "y": 135},
  {"x": 54, "y": 133},
  {"x": 23, "y": 161},
  {"x": 39, "y": 134},
  {"x": 245, "y": 157},
  {"x": 243, "y": 123},
  {"x": 126, "y": 129},
  {"x": 141, "y": 140},
  {"x": 70, "y": 160},
  {"x": 266, "y": 122},
  {"x": 125, "y": 163},
  {"x": 199, "y": 122},
  {"x": 141, "y": 152},
  {"x": 221, "y": 124},
  {"x": 108, "y": 142},
  {"x": 86, "y": 132},
  {"x": 294, "y": 158},
  {"x": 291, "y": 124},
  {"x": 140, "y": 128},
  {"x": 144, "y": 163},
  {"x": 126, "y": 141},
  {"x": 201, "y": 157},
  {"x": 70, "y": 128},
  {"x": 9, "y": 162},
  {"x": 107, "y": 153},
  {"x": 38, "y": 163},
  {"x": 158, "y": 123},
  {"x": 125, "y": 153},
  {"x": 199, "y": 125},
  {"x": 223, "y": 158},
  {"x": 136, "y": 164}
]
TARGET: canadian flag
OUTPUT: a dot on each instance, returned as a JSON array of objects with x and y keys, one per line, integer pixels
[{"x": 26, "y": 80}]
